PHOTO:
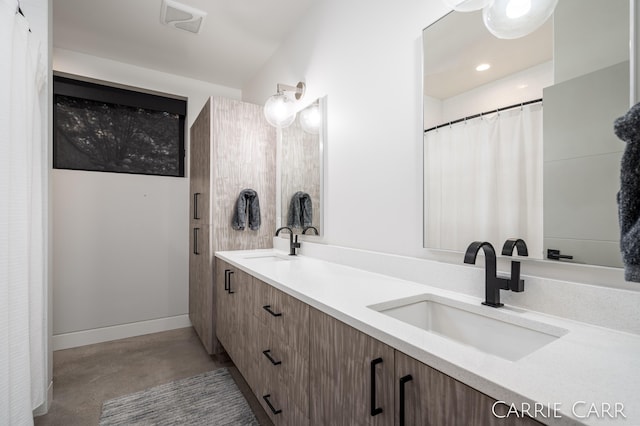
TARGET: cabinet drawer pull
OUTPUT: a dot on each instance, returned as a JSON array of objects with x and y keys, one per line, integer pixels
[
  {"x": 196, "y": 215},
  {"x": 226, "y": 279},
  {"x": 195, "y": 240},
  {"x": 267, "y": 353},
  {"x": 403, "y": 380},
  {"x": 229, "y": 283},
  {"x": 268, "y": 309},
  {"x": 273, "y": 410},
  {"x": 374, "y": 410}
]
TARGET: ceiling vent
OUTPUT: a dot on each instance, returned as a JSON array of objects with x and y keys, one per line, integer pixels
[{"x": 182, "y": 17}]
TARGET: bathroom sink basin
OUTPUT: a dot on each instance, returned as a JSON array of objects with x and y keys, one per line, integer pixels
[
  {"x": 504, "y": 334},
  {"x": 268, "y": 257}
]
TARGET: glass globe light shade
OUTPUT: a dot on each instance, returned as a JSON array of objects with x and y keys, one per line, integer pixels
[
  {"x": 310, "y": 119},
  {"x": 509, "y": 19},
  {"x": 279, "y": 110},
  {"x": 466, "y": 5}
]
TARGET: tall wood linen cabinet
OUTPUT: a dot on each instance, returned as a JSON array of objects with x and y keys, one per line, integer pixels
[{"x": 232, "y": 148}]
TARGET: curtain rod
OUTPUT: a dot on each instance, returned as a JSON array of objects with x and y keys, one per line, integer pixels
[{"x": 449, "y": 123}]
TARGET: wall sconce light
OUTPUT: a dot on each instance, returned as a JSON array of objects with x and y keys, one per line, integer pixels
[
  {"x": 508, "y": 19},
  {"x": 280, "y": 109},
  {"x": 310, "y": 119}
]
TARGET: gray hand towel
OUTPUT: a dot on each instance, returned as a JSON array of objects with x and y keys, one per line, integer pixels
[
  {"x": 247, "y": 204},
  {"x": 627, "y": 128},
  {"x": 300, "y": 210}
]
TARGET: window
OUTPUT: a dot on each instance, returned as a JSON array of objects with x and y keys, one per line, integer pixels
[{"x": 109, "y": 129}]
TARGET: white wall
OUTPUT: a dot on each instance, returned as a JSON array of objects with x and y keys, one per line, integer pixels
[
  {"x": 366, "y": 56},
  {"x": 121, "y": 241}
]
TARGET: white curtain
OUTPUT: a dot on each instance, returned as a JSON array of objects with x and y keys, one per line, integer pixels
[
  {"x": 22, "y": 220},
  {"x": 483, "y": 181}
]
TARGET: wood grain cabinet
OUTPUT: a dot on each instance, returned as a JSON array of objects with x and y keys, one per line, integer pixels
[
  {"x": 351, "y": 374},
  {"x": 358, "y": 380},
  {"x": 231, "y": 148},
  {"x": 266, "y": 334},
  {"x": 426, "y": 396},
  {"x": 283, "y": 355}
]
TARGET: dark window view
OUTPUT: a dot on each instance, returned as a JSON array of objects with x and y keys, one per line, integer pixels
[{"x": 102, "y": 136}]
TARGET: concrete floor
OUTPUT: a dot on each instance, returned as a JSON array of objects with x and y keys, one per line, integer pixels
[{"x": 85, "y": 377}]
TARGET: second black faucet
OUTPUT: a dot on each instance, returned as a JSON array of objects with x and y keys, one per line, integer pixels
[{"x": 493, "y": 282}]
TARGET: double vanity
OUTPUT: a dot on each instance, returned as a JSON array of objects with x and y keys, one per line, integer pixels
[{"x": 323, "y": 343}]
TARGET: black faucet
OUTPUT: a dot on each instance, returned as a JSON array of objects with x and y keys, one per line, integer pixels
[
  {"x": 292, "y": 245},
  {"x": 515, "y": 284},
  {"x": 494, "y": 283},
  {"x": 304, "y": 231}
]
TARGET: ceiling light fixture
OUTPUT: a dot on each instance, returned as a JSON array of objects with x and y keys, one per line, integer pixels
[
  {"x": 483, "y": 67},
  {"x": 280, "y": 109}
]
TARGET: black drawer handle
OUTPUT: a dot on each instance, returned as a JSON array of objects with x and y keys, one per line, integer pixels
[
  {"x": 273, "y": 410},
  {"x": 374, "y": 410},
  {"x": 229, "y": 284},
  {"x": 196, "y": 215},
  {"x": 195, "y": 241},
  {"x": 267, "y": 353},
  {"x": 403, "y": 380},
  {"x": 268, "y": 309},
  {"x": 226, "y": 279}
]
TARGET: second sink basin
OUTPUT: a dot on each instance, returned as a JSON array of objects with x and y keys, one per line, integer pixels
[
  {"x": 503, "y": 334},
  {"x": 268, "y": 257}
]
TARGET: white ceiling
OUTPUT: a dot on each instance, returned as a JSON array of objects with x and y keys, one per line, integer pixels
[
  {"x": 457, "y": 43},
  {"x": 237, "y": 38}
]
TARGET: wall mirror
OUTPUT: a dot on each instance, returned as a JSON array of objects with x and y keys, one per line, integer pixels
[
  {"x": 525, "y": 148},
  {"x": 300, "y": 161}
]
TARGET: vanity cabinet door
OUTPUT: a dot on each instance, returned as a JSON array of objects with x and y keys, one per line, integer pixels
[
  {"x": 430, "y": 397},
  {"x": 233, "y": 290},
  {"x": 343, "y": 361},
  {"x": 201, "y": 289}
]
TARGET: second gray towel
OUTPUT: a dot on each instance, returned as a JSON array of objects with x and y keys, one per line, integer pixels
[
  {"x": 300, "y": 210},
  {"x": 247, "y": 204}
]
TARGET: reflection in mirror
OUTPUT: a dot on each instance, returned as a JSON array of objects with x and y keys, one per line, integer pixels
[
  {"x": 498, "y": 163},
  {"x": 301, "y": 171}
]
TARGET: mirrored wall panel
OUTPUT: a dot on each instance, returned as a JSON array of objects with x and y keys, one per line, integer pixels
[
  {"x": 518, "y": 134},
  {"x": 300, "y": 160}
]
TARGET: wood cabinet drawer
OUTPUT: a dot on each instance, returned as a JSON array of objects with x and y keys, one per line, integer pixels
[
  {"x": 283, "y": 314},
  {"x": 276, "y": 356},
  {"x": 280, "y": 397}
]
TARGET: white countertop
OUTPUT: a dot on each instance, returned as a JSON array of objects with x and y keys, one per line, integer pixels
[{"x": 587, "y": 367}]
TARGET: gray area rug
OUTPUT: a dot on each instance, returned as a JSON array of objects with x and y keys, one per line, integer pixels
[{"x": 211, "y": 398}]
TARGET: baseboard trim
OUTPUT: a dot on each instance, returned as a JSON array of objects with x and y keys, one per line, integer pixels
[{"x": 106, "y": 334}]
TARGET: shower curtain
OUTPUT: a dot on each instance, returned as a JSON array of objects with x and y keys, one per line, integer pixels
[
  {"x": 23, "y": 201},
  {"x": 483, "y": 181}
]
